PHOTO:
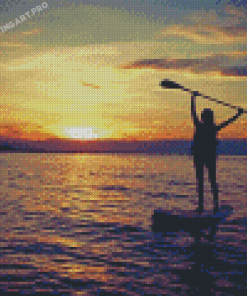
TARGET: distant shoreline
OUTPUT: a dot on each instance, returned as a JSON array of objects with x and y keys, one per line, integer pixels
[{"x": 229, "y": 147}]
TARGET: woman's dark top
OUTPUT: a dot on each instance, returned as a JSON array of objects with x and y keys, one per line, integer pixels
[{"x": 205, "y": 141}]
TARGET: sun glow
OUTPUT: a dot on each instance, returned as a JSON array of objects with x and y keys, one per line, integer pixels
[{"x": 84, "y": 133}]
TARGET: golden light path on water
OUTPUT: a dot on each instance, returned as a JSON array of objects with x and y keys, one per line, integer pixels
[{"x": 65, "y": 218}]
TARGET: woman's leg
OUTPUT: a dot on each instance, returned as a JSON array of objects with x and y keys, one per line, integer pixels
[
  {"x": 198, "y": 163},
  {"x": 212, "y": 177}
]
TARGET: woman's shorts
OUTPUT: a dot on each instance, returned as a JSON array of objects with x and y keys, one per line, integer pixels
[{"x": 205, "y": 158}]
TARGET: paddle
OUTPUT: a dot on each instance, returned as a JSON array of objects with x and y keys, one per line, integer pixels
[{"x": 166, "y": 83}]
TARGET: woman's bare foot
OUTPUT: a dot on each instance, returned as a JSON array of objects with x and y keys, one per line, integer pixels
[
  {"x": 216, "y": 210},
  {"x": 199, "y": 210}
]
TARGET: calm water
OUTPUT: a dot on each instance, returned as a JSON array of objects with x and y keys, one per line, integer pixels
[{"x": 80, "y": 224}]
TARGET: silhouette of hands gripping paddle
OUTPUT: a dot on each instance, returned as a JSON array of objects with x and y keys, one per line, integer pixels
[
  {"x": 195, "y": 93},
  {"x": 240, "y": 111}
]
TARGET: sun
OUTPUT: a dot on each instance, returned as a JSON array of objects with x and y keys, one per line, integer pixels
[
  {"x": 81, "y": 133},
  {"x": 84, "y": 133}
]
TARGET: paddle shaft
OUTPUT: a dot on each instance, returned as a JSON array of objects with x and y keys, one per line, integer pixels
[{"x": 214, "y": 100}]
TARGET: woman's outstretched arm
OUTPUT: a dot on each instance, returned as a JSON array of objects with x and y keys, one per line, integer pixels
[
  {"x": 193, "y": 107},
  {"x": 225, "y": 123}
]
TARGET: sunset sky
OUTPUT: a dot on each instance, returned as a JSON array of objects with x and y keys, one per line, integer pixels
[{"x": 91, "y": 69}]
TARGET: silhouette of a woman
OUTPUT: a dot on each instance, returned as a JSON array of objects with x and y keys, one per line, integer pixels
[{"x": 204, "y": 148}]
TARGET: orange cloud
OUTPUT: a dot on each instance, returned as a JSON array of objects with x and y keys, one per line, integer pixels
[
  {"x": 235, "y": 71},
  {"x": 235, "y": 53},
  {"x": 32, "y": 32},
  {"x": 84, "y": 83},
  {"x": 23, "y": 131},
  {"x": 12, "y": 44},
  {"x": 217, "y": 64},
  {"x": 206, "y": 34},
  {"x": 15, "y": 39}
]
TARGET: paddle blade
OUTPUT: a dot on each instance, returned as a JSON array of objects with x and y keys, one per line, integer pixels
[{"x": 166, "y": 83}]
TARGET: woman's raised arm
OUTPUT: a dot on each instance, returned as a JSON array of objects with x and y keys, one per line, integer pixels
[
  {"x": 230, "y": 120},
  {"x": 193, "y": 107}
]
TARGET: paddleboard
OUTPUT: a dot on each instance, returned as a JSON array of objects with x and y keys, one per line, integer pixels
[{"x": 187, "y": 221}]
